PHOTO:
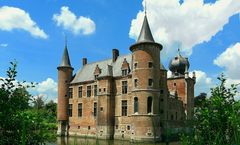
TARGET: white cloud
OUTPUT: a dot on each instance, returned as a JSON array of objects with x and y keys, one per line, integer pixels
[
  {"x": 69, "y": 21},
  {"x": 47, "y": 89},
  {"x": 3, "y": 45},
  {"x": 229, "y": 60},
  {"x": 203, "y": 82},
  {"x": 189, "y": 23},
  {"x": 16, "y": 18}
]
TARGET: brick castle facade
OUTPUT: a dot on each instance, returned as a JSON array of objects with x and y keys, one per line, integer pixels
[{"x": 126, "y": 97}]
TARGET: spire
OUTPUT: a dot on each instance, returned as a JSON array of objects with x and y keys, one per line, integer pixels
[
  {"x": 145, "y": 34},
  {"x": 65, "y": 58}
]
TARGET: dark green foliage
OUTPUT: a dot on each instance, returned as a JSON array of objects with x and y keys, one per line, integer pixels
[
  {"x": 19, "y": 122},
  {"x": 217, "y": 119}
]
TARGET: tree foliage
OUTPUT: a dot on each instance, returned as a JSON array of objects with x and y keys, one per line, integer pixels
[
  {"x": 19, "y": 122},
  {"x": 217, "y": 119}
]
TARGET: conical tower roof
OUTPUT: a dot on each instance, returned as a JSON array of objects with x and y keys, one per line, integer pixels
[
  {"x": 145, "y": 34},
  {"x": 65, "y": 59}
]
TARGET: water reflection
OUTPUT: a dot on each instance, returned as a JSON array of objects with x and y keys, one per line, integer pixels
[{"x": 85, "y": 141}]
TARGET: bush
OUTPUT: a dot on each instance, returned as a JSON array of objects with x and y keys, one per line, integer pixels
[{"x": 217, "y": 119}]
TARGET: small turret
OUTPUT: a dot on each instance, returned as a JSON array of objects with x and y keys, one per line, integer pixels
[{"x": 64, "y": 77}]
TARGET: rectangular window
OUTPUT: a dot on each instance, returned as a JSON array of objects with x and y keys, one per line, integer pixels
[
  {"x": 70, "y": 110},
  {"x": 150, "y": 82},
  {"x": 80, "y": 92},
  {"x": 95, "y": 90},
  {"x": 124, "y": 108},
  {"x": 161, "y": 91},
  {"x": 124, "y": 87},
  {"x": 89, "y": 91},
  {"x": 150, "y": 64},
  {"x": 70, "y": 92},
  {"x": 95, "y": 109},
  {"x": 136, "y": 83},
  {"x": 80, "y": 110},
  {"x": 124, "y": 72}
]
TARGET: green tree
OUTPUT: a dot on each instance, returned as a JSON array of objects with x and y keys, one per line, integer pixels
[
  {"x": 19, "y": 123},
  {"x": 38, "y": 102},
  {"x": 217, "y": 119}
]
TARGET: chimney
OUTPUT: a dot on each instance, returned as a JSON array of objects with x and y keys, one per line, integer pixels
[
  {"x": 115, "y": 54},
  {"x": 84, "y": 61}
]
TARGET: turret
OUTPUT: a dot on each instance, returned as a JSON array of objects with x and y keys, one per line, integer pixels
[
  {"x": 146, "y": 70},
  {"x": 182, "y": 82},
  {"x": 64, "y": 77}
]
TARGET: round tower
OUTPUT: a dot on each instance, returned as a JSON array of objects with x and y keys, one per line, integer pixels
[
  {"x": 146, "y": 78},
  {"x": 64, "y": 77}
]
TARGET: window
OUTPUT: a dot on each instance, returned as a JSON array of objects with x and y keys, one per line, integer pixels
[
  {"x": 78, "y": 127},
  {"x": 124, "y": 87},
  {"x": 161, "y": 91},
  {"x": 89, "y": 127},
  {"x": 80, "y": 110},
  {"x": 101, "y": 108},
  {"x": 150, "y": 65},
  {"x": 174, "y": 84},
  {"x": 136, "y": 83},
  {"x": 124, "y": 108},
  {"x": 128, "y": 127},
  {"x": 150, "y": 82},
  {"x": 95, "y": 77},
  {"x": 116, "y": 126},
  {"x": 95, "y": 109},
  {"x": 80, "y": 92},
  {"x": 135, "y": 105},
  {"x": 88, "y": 91},
  {"x": 135, "y": 65},
  {"x": 149, "y": 105},
  {"x": 124, "y": 72},
  {"x": 95, "y": 90},
  {"x": 70, "y": 92},
  {"x": 171, "y": 117},
  {"x": 70, "y": 110},
  {"x": 161, "y": 111}
]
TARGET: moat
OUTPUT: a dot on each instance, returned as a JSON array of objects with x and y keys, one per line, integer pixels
[{"x": 83, "y": 141}]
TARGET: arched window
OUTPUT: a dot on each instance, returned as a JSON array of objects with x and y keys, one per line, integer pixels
[
  {"x": 135, "y": 105},
  {"x": 149, "y": 105}
]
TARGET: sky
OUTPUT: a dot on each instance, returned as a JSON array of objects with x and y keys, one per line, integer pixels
[{"x": 33, "y": 34}]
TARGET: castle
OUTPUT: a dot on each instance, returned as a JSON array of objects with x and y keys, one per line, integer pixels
[{"x": 126, "y": 97}]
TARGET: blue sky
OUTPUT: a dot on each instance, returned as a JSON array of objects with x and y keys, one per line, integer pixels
[{"x": 32, "y": 32}]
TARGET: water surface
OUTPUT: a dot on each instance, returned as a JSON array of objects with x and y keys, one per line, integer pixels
[{"x": 87, "y": 141}]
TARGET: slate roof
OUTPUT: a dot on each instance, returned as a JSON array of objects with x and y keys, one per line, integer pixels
[
  {"x": 65, "y": 59},
  {"x": 145, "y": 34},
  {"x": 108, "y": 68}
]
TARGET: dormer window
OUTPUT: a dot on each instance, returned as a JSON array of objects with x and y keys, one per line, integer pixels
[
  {"x": 97, "y": 71},
  {"x": 124, "y": 72},
  {"x": 125, "y": 67}
]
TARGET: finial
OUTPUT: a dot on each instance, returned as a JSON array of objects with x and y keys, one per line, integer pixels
[
  {"x": 145, "y": 7},
  {"x": 179, "y": 49},
  {"x": 65, "y": 39}
]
